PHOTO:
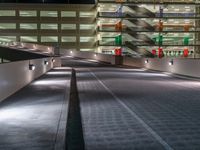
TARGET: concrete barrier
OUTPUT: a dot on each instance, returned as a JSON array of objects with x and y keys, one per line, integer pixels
[
  {"x": 16, "y": 75},
  {"x": 89, "y": 55},
  {"x": 182, "y": 66}
]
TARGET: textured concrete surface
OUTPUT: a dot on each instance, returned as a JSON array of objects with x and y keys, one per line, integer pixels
[
  {"x": 35, "y": 117},
  {"x": 134, "y": 109}
]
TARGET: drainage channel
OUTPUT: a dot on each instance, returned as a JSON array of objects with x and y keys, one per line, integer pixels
[{"x": 74, "y": 133}]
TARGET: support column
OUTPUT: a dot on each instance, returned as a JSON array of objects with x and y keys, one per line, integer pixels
[
  {"x": 197, "y": 34},
  {"x": 78, "y": 30},
  {"x": 38, "y": 28},
  {"x": 17, "y": 26},
  {"x": 59, "y": 28}
]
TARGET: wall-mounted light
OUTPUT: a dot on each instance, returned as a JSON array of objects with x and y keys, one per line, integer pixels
[
  {"x": 171, "y": 62},
  {"x": 95, "y": 55},
  {"x": 34, "y": 46},
  {"x": 146, "y": 61},
  {"x": 46, "y": 62},
  {"x": 22, "y": 45},
  {"x": 53, "y": 60},
  {"x": 71, "y": 52},
  {"x": 31, "y": 67}
]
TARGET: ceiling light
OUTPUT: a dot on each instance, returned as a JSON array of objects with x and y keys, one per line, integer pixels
[{"x": 188, "y": 9}]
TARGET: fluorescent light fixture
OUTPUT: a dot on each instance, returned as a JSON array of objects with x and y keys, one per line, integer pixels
[
  {"x": 52, "y": 13},
  {"x": 146, "y": 61},
  {"x": 187, "y": 7},
  {"x": 187, "y": 21},
  {"x": 171, "y": 62},
  {"x": 177, "y": 9},
  {"x": 166, "y": 9},
  {"x": 46, "y": 62},
  {"x": 31, "y": 67}
]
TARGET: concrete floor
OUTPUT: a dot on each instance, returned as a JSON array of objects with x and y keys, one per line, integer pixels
[
  {"x": 35, "y": 117},
  {"x": 121, "y": 109},
  {"x": 134, "y": 109}
]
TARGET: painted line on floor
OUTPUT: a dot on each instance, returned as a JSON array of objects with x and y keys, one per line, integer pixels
[{"x": 147, "y": 127}]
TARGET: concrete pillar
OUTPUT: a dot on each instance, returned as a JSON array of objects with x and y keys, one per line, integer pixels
[
  {"x": 38, "y": 28},
  {"x": 17, "y": 26},
  {"x": 116, "y": 60},
  {"x": 197, "y": 34},
  {"x": 78, "y": 30},
  {"x": 59, "y": 28}
]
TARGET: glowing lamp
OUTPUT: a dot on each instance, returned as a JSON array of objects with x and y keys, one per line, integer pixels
[
  {"x": 46, "y": 62},
  {"x": 171, "y": 62},
  {"x": 31, "y": 67}
]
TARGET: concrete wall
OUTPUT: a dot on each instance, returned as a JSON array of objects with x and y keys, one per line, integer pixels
[
  {"x": 15, "y": 75},
  {"x": 89, "y": 55},
  {"x": 187, "y": 67},
  {"x": 182, "y": 66},
  {"x": 57, "y": 62}
]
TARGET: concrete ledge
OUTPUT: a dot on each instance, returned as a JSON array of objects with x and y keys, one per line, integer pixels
[
  {"x": 89, "y": 55},
  {"x": 181, "y": 66},
  {"x": 15, "y": 75}
]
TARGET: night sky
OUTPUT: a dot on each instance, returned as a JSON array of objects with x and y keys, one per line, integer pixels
[{"x": 50, "y": 1}]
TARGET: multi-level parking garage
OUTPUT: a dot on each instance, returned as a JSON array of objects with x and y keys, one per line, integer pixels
[
  {"x": 162, "y": 28},
  {"x": 67, "y": 26},
  {"x": 136, "y": 28},
  {"x": 91, "y": 97}
]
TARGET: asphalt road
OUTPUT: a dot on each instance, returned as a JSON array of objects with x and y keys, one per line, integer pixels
[{"x": 135, "y": 109}]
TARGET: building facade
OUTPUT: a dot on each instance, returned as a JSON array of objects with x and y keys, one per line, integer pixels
[
  {"x": 167, "y": 28},
  {"x": 68, "y": 26}
]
